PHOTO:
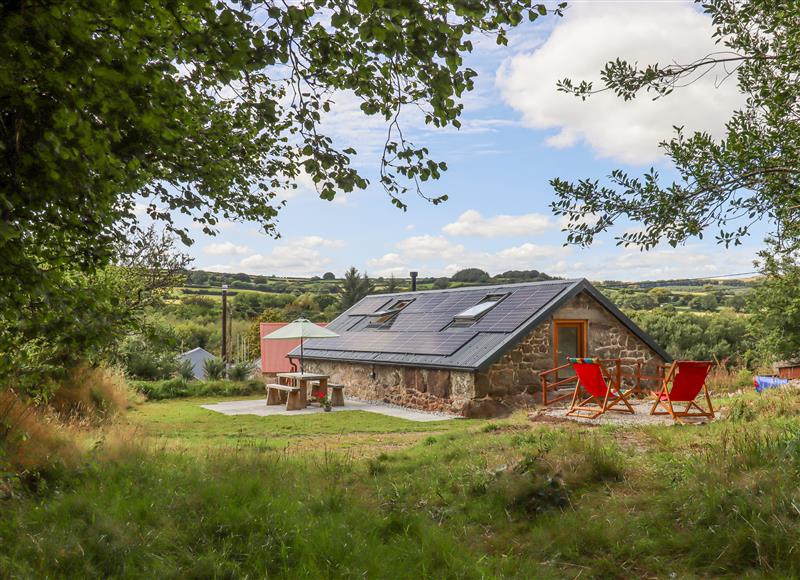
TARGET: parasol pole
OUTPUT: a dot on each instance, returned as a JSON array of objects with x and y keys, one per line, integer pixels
[{"x": 301, "y": 355}]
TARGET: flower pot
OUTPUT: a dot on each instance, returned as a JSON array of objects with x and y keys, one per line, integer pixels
[{"x": 327, "y": 409}]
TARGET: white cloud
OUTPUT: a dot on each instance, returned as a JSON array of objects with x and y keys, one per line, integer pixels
[
  {"x": 302, "y": 256},
  {"x": 226, "y": 249},
  {"x": 593, "y": 33},
  {"x": 522, "y": 257},
  {"x": 286, "y": 260},
  {"x": 218, "y": 268},
  {"x": 472, "y": 223},
  {"x": 682, "y": 262},
  {"x": 390, "y": 260},
  {"x": 427, "y": 247},
  {"x": 436, "y": 255},
  {"x": 318, "y": 242}
]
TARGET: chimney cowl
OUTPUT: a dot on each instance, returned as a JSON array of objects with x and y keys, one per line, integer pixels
[{"x": 414, "y": 281}]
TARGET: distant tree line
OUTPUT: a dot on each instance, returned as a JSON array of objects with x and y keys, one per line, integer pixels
[{"x": 710, "y": 300}]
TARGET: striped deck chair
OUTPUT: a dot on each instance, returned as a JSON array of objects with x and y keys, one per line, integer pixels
[
  {"x": 601, "y": 397},
  {"x": 682, "y": 384}
]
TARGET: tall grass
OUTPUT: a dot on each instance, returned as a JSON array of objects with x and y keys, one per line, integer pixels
[
  {"x": 32, "y": 444},
  {"x": 94, "y": 394},
  {"x": 727, "y": 379},
  {"x": 238, "y": 515}
]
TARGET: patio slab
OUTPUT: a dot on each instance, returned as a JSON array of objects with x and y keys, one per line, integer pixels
[{"x": 259, "y": 407}]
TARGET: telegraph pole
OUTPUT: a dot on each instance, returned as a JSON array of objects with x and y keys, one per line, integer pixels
[{"x": 225, "y": 325}]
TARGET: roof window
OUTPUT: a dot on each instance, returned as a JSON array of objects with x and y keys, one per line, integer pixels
[
  {"x": 472, "y": 314},
  {"x": 385, "y": 317}
]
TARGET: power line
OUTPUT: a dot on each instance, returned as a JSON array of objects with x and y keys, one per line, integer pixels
[{"x": 656, "y": 282}]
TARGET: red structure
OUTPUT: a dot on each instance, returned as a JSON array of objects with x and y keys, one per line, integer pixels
[
  {"x": 273, "y": 352},
  {"x": 788, "y": 370}
]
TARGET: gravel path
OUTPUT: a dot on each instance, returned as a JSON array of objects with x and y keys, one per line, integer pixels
[{"x": 642, "y": 416}]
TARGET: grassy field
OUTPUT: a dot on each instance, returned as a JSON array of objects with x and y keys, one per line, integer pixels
[
  {"x": 185, "y": 423},
  {"x": 173, "y": 490}
]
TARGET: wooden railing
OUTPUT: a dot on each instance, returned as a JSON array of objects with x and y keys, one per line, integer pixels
[
  {"x": 615, "y": 377},
  {"x": 544, "y": 379}
]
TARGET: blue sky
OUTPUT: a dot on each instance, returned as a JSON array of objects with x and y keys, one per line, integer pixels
[{"x": 518, "y": 132}]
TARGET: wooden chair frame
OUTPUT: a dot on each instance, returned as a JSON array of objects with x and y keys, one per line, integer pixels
[
  {"x": 664, "y": 399},
  {"x": 586, "y": 410}
]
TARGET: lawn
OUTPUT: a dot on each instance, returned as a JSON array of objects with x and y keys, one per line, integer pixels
[
  {"x": 183, "y": 422},
  {"x": 186, "y": 497}
]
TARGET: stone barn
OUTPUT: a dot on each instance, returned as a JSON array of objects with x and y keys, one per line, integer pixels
[{"x": 475, "y": 351}]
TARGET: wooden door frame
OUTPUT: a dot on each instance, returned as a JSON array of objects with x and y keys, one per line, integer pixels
[{"x": 583, "y": 336}]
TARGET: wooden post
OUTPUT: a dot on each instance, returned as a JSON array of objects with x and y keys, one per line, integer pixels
[
  {"x": 225, "y": 326},
  {"x": 638, "y": 377},
  {"x": 543, "y": 380}
]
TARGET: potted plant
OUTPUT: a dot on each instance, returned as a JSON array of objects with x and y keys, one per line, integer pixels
[{"x": 324, "y": 400}]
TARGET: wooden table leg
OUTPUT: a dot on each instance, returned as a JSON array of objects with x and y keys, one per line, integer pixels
[
  {"x": 294, "y": 402},
  {"x": 283, "y": 394},
  {"x": 303, "y": 384}
]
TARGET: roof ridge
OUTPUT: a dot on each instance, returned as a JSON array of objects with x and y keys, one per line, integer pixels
[{"x": 477, "y": 287}]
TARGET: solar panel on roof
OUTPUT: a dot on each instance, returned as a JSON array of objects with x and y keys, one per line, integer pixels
[{"x": 416, "y": 334}]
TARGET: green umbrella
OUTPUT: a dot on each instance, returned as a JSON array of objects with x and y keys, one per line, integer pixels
[{"x": 302, "y": 329}]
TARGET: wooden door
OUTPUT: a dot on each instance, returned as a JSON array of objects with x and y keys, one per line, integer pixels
[{"x": 569, "y": 340}]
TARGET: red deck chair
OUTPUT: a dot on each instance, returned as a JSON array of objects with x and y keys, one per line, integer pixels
[
  {"x": 682, "y": 384},
  {"x": 601, "y": 397}
]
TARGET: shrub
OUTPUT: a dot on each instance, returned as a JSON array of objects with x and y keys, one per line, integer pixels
[
  {"x": 169, "y": 389},
  {"x": 146, "y": 361},
  {"x": 239, "y": 372},
  {"x": 214, "y": 368},
  {"x": 178, "y": 388},
  {"x": 185, "y": 370}
]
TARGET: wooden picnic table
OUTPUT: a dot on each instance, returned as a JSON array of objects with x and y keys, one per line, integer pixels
[{"x": 302, "y": 380}]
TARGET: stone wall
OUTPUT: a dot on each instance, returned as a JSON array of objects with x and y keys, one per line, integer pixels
[
  {"x": 517, "y": 370},
  {"x": 418, "y": 388}
]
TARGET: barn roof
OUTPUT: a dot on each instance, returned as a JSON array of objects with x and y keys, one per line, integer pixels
[{"x": 461, "y": 328}]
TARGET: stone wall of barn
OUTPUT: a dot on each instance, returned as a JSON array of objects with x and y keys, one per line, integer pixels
[
  {"x": 418, "y": 388},
  {"x": 507, "y": 383},
  {"x": 517, "y": 370}
]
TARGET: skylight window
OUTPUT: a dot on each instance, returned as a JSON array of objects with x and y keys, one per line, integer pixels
[
  {"x": 471, "y": 315},
  {"x": 385, "y": 317}
]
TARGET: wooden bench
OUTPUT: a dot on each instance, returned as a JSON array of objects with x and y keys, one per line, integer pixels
[
  {"x": 337, "y": 398},
  {"x": 294, "y": 402}
]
